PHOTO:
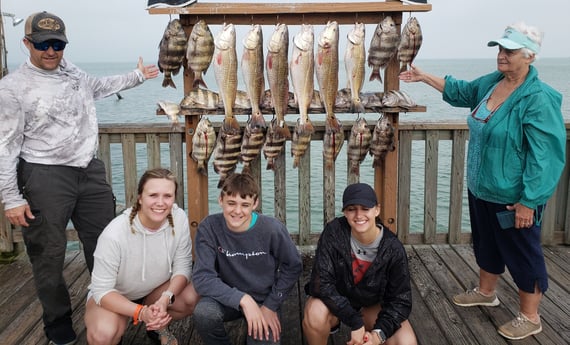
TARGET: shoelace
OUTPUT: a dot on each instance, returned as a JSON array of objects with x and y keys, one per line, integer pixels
[{"x": 519, "y": 321}]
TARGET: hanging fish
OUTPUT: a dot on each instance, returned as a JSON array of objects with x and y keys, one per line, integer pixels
[
  {"x": 227, "y": 149},
  {"x": 225, "y": 67},
  {"x": 354, "y": 57},
  {"x": 383, "y": 46},
  {"x": 302, "y": 70},
  {"x": 277, "y": 134},
  {"x": 358, "y": 144},
  {"x": 172, "y": 49},
  {"x": 252, "y": 69},
  {"x": 326, "y": 65},
  {"x": 276, "y": 67},
  {"x": 382, "y": 140},
  {"x": 253, "y": 139},
  {"x": 410, "y": 43},
  {"x": 228, "y": 144},
  {"x": 200, "y": 51},
  {"x": 203, "y": 142}
]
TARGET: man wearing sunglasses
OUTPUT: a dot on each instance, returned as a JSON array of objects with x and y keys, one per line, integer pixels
[{"x": 49, "y": 173}]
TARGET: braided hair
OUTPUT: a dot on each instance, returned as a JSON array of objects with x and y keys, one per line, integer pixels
[{"x": 157, "y": 173}]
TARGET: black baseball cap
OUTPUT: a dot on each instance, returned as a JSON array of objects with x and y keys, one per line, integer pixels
[
  {"x": 359, "y": 194},
  {"x": 44, "y": 26}
]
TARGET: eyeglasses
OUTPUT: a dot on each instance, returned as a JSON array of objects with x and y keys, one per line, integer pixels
[
  {"x": 491, "y": 113},
  {"x": 57, "y": 45}
]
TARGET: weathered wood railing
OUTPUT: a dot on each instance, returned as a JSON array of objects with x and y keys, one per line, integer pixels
[{"x": 440, "y": 217}]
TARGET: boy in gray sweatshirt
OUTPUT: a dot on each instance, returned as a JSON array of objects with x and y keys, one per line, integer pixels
[{"x": 246, "y": 266}]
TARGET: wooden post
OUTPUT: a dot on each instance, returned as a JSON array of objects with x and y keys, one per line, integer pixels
[
  {"x": 196, "y": 183},
  {"x": 386, "y": 177}
]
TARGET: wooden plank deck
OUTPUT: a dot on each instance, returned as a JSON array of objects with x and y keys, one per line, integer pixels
[{"x": 438, "y": 272}]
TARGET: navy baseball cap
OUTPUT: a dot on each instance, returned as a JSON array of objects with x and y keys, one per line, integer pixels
[{"x": 359, "y": 194}]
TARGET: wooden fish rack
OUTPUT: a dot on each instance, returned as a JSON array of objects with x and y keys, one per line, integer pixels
[{"x": 238, "y": 13}]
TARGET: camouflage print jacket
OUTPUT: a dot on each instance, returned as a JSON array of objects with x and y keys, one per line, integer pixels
[{"x": 48, "y": 117}]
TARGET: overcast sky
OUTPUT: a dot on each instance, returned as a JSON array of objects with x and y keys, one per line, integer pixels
[{"x": 120, "y": 31}]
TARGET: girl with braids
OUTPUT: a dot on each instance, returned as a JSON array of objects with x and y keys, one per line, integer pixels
[{"x": 142, "y": 269}]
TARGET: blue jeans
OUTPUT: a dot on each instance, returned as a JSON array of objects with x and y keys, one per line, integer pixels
[{"x": 209, "y": 317}]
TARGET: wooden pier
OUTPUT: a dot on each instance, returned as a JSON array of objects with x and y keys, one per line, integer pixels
[
  {"x": 440, "y": 257},
  {"x": 438, "y": 272}
]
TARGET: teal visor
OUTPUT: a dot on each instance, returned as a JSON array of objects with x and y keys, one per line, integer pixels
[{"x": 513, "y": 39}]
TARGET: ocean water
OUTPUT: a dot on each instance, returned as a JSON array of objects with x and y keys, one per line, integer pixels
[{"x": 138, "y": 105}]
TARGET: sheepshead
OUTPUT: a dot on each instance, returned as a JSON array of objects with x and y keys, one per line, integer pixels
[
  {"x": 316, "y": 102},
  {"x": 277, "y": 134},
  {"x": 203, "y": 142},
  {"x": 326, "y": 65},
  {"x": 225, "y": 67},
  {"x": 383, "y": 46},
  {"x": 372, "y": 99},
  {"x": 398, "y": 98},
  {"x": 253, "y": 139},
  {"x": 302, "y": 70},
  {"x": 382, "y": 140},
  {"x": 277, "y": 71},
  {"x": 252, "y": 68},
  {"x": 410, "y": 43},
  {"x": 358, "y": 144},
  {"x": 343, "y": 99},
  {"x": 242, "y": 100},
  {"x": 201, "y": 99},
  {"x": 227, "y": 149},
  {"x": 200, "y": 51},
  {"x": 276, "y": 66},
  {"x": 171, "y": 109},
  {"x": 172, "y": 49},
  {"x": 354, "y": 57}
]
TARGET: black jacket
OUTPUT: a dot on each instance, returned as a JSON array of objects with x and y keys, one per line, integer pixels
[{"x": 387, "y": 280}]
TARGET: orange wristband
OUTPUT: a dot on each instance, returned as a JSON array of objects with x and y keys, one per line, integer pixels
[{"x": 137, "y": 313}]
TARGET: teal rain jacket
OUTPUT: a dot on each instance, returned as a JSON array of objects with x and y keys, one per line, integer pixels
[{"x": 523, "y": 144}]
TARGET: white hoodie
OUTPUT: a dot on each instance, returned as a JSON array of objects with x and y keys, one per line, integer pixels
[{"x": 134, "y": 264}]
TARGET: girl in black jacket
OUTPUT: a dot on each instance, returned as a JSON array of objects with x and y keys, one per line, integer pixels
[{"x": 360, "y": 277}]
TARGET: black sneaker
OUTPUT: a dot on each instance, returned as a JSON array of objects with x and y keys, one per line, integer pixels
[{"x": 169, "y": 3}]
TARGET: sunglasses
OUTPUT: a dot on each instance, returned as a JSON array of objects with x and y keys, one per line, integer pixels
[
  {"x": 57, "y": 45},
  {"x": 491, "y": 113}
]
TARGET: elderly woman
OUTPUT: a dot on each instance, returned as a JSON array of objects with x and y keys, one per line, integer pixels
[{"x": 515, "y": 158}]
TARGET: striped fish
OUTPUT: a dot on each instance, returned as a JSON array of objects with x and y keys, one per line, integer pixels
[
  {"x": 201, "y": 99},
  {"x": 227, "y": 149},
  {"x": 172, "y": 49},
  {"x": 410, "y": 43},
  {"x": 358, "y": 144},
  {"x": 200, "y": 51},
  {"x": 277, "y": 134},
  {"x": 382, "y": 140},
  {"x": 203, "y": 142},
  {"x": 383, "y": 46},
  {"x": 253, "y": 139}
]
